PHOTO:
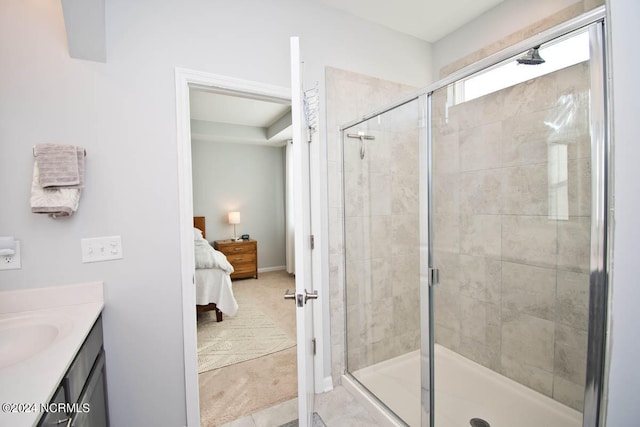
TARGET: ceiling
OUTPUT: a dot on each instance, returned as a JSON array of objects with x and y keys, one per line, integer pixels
[
  {"x": 429, "y": 20},
  {"x": 227, "y": 118},
  {"x": 232, "y": 118}
]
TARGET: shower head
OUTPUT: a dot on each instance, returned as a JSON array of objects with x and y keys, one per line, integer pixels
[{"x": 532, "y": 57}]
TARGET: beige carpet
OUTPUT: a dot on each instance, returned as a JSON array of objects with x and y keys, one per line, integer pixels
[
  {"x": 240, "y": 389},
  {"x": 247, "y": 335}
]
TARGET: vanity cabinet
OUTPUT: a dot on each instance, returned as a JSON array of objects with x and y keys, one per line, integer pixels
[{"x": 81, "y": 399}]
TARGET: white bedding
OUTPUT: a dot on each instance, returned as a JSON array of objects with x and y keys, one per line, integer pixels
[{"x": 213, "y": 283}]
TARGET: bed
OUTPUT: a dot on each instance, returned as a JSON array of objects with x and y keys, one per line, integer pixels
[{"x": 212, "y": 277}]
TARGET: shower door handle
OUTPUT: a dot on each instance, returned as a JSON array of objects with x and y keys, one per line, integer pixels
[{"x": 434, "y": 277}]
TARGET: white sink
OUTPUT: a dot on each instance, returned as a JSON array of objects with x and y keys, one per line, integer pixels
[{"x": 23, "y": 336}]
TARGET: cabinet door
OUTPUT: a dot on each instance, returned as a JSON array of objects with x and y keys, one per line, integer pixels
[
  {"x": 56, "y": 419},
  {"x": 93, "y": 402}
]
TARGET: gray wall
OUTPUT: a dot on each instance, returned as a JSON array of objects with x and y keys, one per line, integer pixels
[
  {"x": 245, "y": 178},
  {"x": 124, "y": 113}
]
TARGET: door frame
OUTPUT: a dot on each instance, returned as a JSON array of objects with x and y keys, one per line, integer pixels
[{"x": 186, "y": 79}]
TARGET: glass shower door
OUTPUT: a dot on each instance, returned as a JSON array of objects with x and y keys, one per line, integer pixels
[
  {"x": 382, "y": 224},
  {"x": 511, "y": 231}
]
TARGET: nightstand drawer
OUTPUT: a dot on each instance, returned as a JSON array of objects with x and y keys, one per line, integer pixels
[
  {"x": 240, "y": 257},
  {"x": 242, "y": 270},
  {"x": 230, "y": 248}
]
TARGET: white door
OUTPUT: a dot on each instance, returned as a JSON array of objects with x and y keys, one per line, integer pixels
[{"x": 302, "y": 219}]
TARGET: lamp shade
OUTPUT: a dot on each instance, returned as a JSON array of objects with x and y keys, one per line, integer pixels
[{"x": 234, "y": 217}]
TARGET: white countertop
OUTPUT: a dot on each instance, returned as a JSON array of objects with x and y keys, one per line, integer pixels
[{"x": 73, "y": 310}]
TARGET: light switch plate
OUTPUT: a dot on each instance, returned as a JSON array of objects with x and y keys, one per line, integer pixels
[
  {"x": 101, "y": 248},
  {"x": 11, "y": 262}
]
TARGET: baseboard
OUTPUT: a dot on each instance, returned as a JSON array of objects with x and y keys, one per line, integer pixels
[{"x": 269, "y": 269}]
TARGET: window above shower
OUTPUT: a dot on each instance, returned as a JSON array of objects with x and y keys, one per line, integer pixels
[{"x": 556, "y": 55}]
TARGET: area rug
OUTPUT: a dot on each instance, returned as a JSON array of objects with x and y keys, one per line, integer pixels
[{"x": 247, "y": 335}]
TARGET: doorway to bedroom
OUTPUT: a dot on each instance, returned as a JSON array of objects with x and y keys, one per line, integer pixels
[{"x": 247, "y": 361}]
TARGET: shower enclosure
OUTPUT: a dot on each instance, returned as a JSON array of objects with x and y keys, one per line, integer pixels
[{"x": 475, "y": 230}]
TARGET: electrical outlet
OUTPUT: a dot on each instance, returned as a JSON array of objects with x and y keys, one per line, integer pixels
[
  {"x": 11, "y": 262},
  {"x": 101, "y": 248}
]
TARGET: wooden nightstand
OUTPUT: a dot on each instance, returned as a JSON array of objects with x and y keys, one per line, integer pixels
[{"x": 242, "y": 255}]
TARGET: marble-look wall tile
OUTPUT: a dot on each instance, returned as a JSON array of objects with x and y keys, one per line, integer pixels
[
  {"x": 531, "y": 376},
  {"x": 480, "y": 111},
  {"x": 525, "y": 190},
  {"x": 405, "y": 272},
  {"x": 447, "y": 336},
  {"x": 480, "y": 192},
  {"x": 473, "y": 319},
  {"x": 404, "y": 152},
  {"x": 447, "y": 309},
  {"x": 524, "y": 138},
  {"x": 356, "y": 201},
  {"x": 446, "y": 157},
  {"x": 528, "y": 340},
  {"x": 404, "y": 194},
  {"x": 579, "y": 187},
  {"x": 406, "y": 313},
  {"x": 529, "y": 240},
  {"x": 381, "y": 236},
  {"x": 533, "y": 95},
  {"x": 569, "y": 393},
  {"x": 378, "y": 189},
  {"x": 446, "y": 194},
  {"x": 336, "y": 246},
  {"x": 405, "y": 234},
  {"x": 479, "y": 278},
  {"x": 572, "y": 302},
  {"x": 357, "y": 238},
  {"x": 574, "y": 244},
  {"x": 530, "y": 290},
  {"x": 480, "y": 147},
  {"x": 480, "y": 235},
  {"x": 570, "y": 348},
  {"x": 446, "y": 233}
]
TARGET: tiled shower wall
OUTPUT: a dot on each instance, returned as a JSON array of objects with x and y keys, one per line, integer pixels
[
  {"x": 348, "y": 96},
  {"x": 511, "y": 176}
]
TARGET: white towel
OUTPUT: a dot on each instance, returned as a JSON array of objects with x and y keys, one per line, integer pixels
[
  {"x": 61, "y": 166},
  {"x": 53, "y": 201}
]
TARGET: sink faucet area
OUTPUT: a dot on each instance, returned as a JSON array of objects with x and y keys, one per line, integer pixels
[{"x": 41, "y": 330}]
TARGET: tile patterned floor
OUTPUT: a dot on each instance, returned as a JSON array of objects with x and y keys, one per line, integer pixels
[{"x": 337, "y": 408}]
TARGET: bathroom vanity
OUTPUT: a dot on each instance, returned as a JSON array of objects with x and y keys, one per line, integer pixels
[{"x": 52, "y": 370}]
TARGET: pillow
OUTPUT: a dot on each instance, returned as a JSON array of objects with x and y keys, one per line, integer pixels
[{"x": 197, "y": 234}]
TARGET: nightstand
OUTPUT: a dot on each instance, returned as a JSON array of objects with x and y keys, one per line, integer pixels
[{"x": 243, "y": 256}]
